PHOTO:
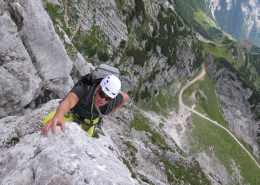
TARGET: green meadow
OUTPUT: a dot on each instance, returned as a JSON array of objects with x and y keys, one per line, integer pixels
[{"x": 207, "y": 137}]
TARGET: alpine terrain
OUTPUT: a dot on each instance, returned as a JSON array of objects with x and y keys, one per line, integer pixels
[{"x": 191, "y": 71}]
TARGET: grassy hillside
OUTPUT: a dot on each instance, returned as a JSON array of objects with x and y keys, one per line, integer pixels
[
  {"x": 239, "y": 58},
  {"x": 244, "y": 63},
  {"x": 202, "y": 96},
  {"x": 197, "y": 16},
  {"x": 213, "y": 140},
  {"x": 217, "y": 142}
]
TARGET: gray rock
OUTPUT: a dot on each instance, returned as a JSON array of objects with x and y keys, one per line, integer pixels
[
  {"x": 19, "y": 82},
  {"x": 234, "y": 99},
  {"x": 72, "y": 157},
  {"x": 80, "y": 66},
  {"x": 216, "y": 172},
  {"x": 33, "y": 61},
  {"x": 147, "y": 159},
  {"x": 107, "y": 19},
  {"x": 43, "y": 45}
]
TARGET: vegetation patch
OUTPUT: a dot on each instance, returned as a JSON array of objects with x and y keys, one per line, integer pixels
[
  {"x": 197, "y": 16},
  {"x": 132, "y": 149},
  {"x": 162, "y": 101},
  {"x": 92, "y": 43},
  {"x": 219, "y": 52},
  {"x": 138, "y": 54},
  {"x": 212, "y": 139},
  {"x": 55, "y": 12},
  {"x": 72, "y": 13},
  {"x": 188, "y": 174},
  {"x": 140, "y": 123},
  {"x": 125, "y": 161},
  {"x": 205, "y": 100},
  {"x": 131, "y": 146},
  {"x": 145, "y": 179}
]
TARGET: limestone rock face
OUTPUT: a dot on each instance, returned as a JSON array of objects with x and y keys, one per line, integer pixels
[
  {"x": 234, "y": 99},
  {"x": 238, "y": 18},
  {"x": 69, "y": 158},
  {"x": 105, "y": 15},
  {"x": 143, "y": 152},
  {"x": 32, "y": 58},
  {"x": 19, "y": 80}
]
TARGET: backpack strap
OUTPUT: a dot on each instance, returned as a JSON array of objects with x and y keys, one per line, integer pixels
[{"x": 101, "y": 116}]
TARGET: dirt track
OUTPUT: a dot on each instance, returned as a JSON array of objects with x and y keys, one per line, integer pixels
[{"x": 183, "y": 106}]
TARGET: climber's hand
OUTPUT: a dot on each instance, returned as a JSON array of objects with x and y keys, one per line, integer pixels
[{"x": 53, "y": 123}]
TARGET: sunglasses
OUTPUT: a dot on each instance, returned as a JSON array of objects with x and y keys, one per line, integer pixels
[{"x": 102, "y": 94}]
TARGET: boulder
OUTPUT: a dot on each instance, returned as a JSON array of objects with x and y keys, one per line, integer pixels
[
  {"x": 71, "y": 157},
  {"x": 19, "y": 82},
  {"x": 33, "y": 60}
]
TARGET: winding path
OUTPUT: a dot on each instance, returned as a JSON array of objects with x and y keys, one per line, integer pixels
[{"x": 183, "y": 106}]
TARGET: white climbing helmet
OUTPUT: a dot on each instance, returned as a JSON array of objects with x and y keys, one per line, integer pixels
[{"x": 111, "y": 85}]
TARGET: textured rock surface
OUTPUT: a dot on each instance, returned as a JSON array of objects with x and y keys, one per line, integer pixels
[
  {"x": 32, "y": 56},
  {"x": 239, "y": 18},
  {"x": 149, "y": 158},
  {"x": 217, "y": 173},
  {"x": 105, "y": 15},
  {"x": 113, "y": 23},
  {"x": 65, "y": 158},
  {"x": 34, "y": 67},
  {"x": 234, "y": 99},
  {"x": 19, "y": 80}
]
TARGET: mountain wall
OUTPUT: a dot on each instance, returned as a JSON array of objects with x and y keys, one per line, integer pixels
[
  {"x": 132, "y": 37},
  {"x": 28, "y": 51},
  {"x": 41, "y": 62},
  {"x": 51, "y": 43},
  {"x": 234, "y": 98},
  {"x": 239, "y": 18},
  {"x": 146, "y": 39},
  {"x": 28, "y": 157}
]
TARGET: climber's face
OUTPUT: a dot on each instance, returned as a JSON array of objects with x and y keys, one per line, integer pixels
[{"x": 100, "y": 97}]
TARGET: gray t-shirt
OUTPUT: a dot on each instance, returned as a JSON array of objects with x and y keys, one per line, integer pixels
[{"x": 83, "y": 107}]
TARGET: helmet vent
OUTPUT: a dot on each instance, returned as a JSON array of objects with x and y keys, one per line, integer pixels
[{"x": 111, "y": 85}]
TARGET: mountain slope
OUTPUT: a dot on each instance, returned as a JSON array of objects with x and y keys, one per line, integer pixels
[
  {"x": 238, "y": 18},
  {"x": 99, "y": 22},
  {"x": 157, "y": 52}
]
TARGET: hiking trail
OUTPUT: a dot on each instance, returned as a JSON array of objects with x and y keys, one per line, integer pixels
[{"x": 183, "y": 106}]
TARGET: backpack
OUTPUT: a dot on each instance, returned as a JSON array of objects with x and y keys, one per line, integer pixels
[{"x": 96, "y": 75}]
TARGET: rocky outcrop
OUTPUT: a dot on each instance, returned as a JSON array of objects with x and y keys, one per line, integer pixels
[
  {"x": 152, "y": 155},
  {"x": 34, "y": 64},
  {"x": 103, "y": 14},
  {"x": 149, "y": 43},
  {"x": 19, "y": 79},
  {"x": 71, "y": 157},
  {"x": 132, "y": 35},
  {"x": 234, "y": 100},
  {"x": 238, "y": 18}
]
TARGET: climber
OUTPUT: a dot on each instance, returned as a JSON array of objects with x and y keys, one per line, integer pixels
[{"x": 87, "y": 105}]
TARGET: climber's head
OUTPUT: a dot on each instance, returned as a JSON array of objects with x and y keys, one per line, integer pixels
[
  {"x": 108, "y": 89},
  {"x": 111, "y": 86}
]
